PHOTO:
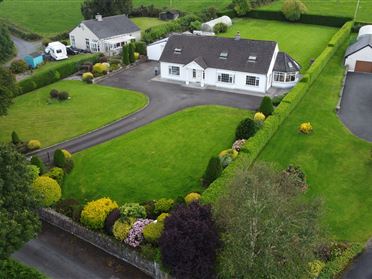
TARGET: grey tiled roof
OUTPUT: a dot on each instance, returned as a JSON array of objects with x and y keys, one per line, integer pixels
[
  {"x": 285, "y": 63},
  {"x": 209, "y": 49},
  {"x": 111, "y": 26},
  {"x": 363, "y": 42}
]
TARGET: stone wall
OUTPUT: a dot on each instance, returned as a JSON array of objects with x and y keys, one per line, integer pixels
[{"x": 103, "y": 242}]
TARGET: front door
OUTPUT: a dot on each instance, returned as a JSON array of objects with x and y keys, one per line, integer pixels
[{"x": 196, "y": 75}]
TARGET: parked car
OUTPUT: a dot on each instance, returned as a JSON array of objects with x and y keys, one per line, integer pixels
[{"x": 72, "y": 50}]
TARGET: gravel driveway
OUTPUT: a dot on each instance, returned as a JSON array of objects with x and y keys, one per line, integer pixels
[{"x": 356, "y": 105}]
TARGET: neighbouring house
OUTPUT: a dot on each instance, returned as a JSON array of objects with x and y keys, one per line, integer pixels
[
  {"x": 358, "y": 56},
  {"x": 233, "y": 63},
  {"x": 105, "y": 34},
  {"x": 209, "y": 26},
  {"x": 169, "y": 15},
  {"x": 34, "y": 59}
]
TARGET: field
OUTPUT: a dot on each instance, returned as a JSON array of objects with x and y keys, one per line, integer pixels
[
  {"x": 34, "y": 116},
  {"x": 166, "y": 158},
  {"x": 301, "y": 41},
  {"x": 146, "y": 22},
  {"x": 338, "y": 165},
  {"x": 332, "y": 7}
]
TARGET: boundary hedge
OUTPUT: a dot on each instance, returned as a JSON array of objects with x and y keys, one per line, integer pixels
[
  {"x": 20, "y": 32},
  {"x": 60, "y": 71},
  {"x": 256, "y": 144}
]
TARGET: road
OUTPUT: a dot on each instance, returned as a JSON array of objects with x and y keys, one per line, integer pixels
[
  {"x": 61, "y": 255},
  {"x": 164, "y": 99},
  {"x": 24, "y": 47},
  {"x": 362, "y": 265}
]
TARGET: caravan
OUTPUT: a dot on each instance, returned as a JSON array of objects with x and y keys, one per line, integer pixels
[{"x": 56, "y": 50}]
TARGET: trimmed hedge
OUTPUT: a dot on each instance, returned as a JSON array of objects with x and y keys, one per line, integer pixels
[
  {"x": 256, "y": 144},
  {"x": 19, "y": 32},
  {"x": 59, "y": 71},
  {"x": 11, "y": 269}
]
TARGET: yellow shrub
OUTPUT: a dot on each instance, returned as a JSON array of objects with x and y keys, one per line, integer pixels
[
  {"x": 192, "y": 197},
  {"x": 95, "y": 212},
  {"x": 88, "y": 76},
  {"x": 33, "y": 144},
  {"x": 47, "y": 189},
  {"x": 306, "y": 128},
  {"x": 67, "y": 154},
  {"x": 136, "y": 55},
  {"x": 100, "y": 68},
  {"x": 229, "y": 152},
  {"x": 121, "y": 228},
  {"x": 259, "y": 117},
  {"x": 315, "y": 267},
  {"x": 153, "y": 231},
  {"x": 162, "y": 217}
]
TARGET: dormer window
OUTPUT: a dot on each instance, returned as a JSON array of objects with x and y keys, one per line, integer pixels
[
  {"x": 223, "y": 55},
  {"x": 177, "y": 50},
  {"x": 252, "y": 58}
]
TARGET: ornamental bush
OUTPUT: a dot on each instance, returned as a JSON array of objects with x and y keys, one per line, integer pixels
[
  {"x": 36, "y": 161},
  {"x": 227, "y": 156},
  {"x": 136, "y": 56},
  {"x": 15, "y": 138},
  {"x": 33, "y": 145},
  {"x": 34, "y": 171},
  {"x": 57, "y": 174},
  {"x": 100, "y": 69},
  {"x": 95, "y": 212},
  {"x": 69, "y": 207},
  {"x": 161, "y": 218},
  {"x": 141, "y": 47},
  {"x": 259, "y": 117},
  {"x": 293, "y": 9},
  {"x": 47, "y": 189},
  {"x": 59, "y": 158},
  {"x": 135, "y": 236},
  {"x": 63, "y": 95},
  {"x": 134, "y": 210},
  {"x": 111, "y": 218},
  {"x": 220, "y": 28},
  {"x": 153, "y": 231},
  {"x": 266, "y": 106},
  {"x": 18, "y": 66},
  {"x": 54, "y": 93},
  {"x": 163, "y": 205},
  {"x": 315, "y": 267},
  {"x": 306, "y": 128},
  {"x": 131, "y": 53},
  {"x": 192, "y": 197},
  {"x": 67, "y": 154},
  {"x": 246, "y": 129},
  {"x": 238, "y": 144},
  {"x": 150, "y": 209},
  {"x": 88, "y": 77},
  {"x": 122, "y": 228},
  {"x": 126, "y": 60},
  {"x": 213, "y": 171}
]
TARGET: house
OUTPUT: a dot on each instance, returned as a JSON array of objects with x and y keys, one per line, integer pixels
[
  {"x": 358, "y": 57},
  {"x": 104, "y": 34},
  {"x": 34, "y": 59},
  {"x": 209, "y": 26},
  {"x": 169, "y": 15},
  {"x": 233, "y": 63},
  {"x": 155, "y": 49}
]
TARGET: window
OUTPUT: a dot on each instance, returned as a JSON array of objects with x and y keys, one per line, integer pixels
[
  {"x": 174, "y": 70},
  {"x": 87, "y": 44},
  {"x": 177, "y": 50},
  {"x": 223, "y": 55},
  {"x": 203, "y": 74},
  {"x": 227, "y": 78},
  {"x": 252, "y": 80},
  {"x": 279, "y": 77},
  {"x": 290, "y": 77},
  {"x": 284, "y": 77},
  {"x": 59, "y": 50},
  {"x": 193, "y": 73},
  {"x": 252, "y": 58},
  {"x": 72, "y": 38}
]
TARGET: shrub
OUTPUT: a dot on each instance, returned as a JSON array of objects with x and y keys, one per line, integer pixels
[
  {"x": 213, "y": 171},
  {"x": 36, "y": 161},
  {"x": 293, "y": 9},
  {"x": 246, "y": 129},
  {"x": 266, "y": 106},
  {"x": 67, "y": 154},
  {"x": 126, "y": 60},
  {"x": 189, "y": 242},
  {"x": 196, "y": 25},
  {"x": 278, "y": 99},
  {"x": 141, "y": 48},
  {"x": 54, "y": 93},
  {"x": 163, "y": 205},
  {"x": 306, "y": 128},
  {"x": 132, "y": 210},
  {"x": 88, "y": 77},
  {"x": 150, "y": 209},
  {"x": 100, "y": 69},
  {"x": 135, "y": 236},
  {"x": 47, "y": 189},
  {"x": 15, "y": 138},
  {"x": 18, "y": 66},
  {"x": 220, "y": 28},
  {"x": 57, "y": 174},
  {"x": 241, "y": 7},
  {"x": 131, "y": 53},
  {"x": 34, "y": 171},
  {"x": 33, "y": 145},
  {"x": 315, "y": 267},
  {"x": 111, "y": 218},
  {"x": 238, "y": 144},
  {"x": 69, "y": 166},
  {"x": 259, "y": 117},
  {"x": 95, "y": 212},
  {"x": 150, "y": 252},
  {"x": 59, "y": 158},
  {"x": 153, "y": 231},
  {"x": 192, "y": 197},
  {"x": 69, "y": 207},
  {"x": 121, "y": 228},
  {"x": 12, "y": 269},
  {"x": 161, "y": 218},
  {"x": 227, "y": 156},
  {"x": 136, "y": 56},
  {"x": 63, "y": 95}
]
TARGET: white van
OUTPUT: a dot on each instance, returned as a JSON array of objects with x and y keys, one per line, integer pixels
[{"x": 57, "y": 50}]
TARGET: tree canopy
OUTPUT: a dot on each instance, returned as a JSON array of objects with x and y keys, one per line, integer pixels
[
  {"x": 6, "y": 45},
  {"x": 18, "y": 205},
  {"x": 8, "y": 89},
  {"x": 89, "y": 8}
]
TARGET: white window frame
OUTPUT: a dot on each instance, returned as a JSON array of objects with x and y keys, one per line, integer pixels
[
  {"x": 73, "y": 42},
  {"x": 87, "y": 43},
  {"x": 252, "y": 80},
  {"x": 226, "y": 78},
  {"x": 174, "y": 70}
]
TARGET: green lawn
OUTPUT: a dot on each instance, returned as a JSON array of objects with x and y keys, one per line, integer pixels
[
  {"x": 146, "y": 22},
  {"x": 163, "y": 159},
  {"x": 338, "y": 165},
  {"x": 33, "y": 116},
  {"x": 332, "y": 7},
  {"x": 301, "y": 41}
]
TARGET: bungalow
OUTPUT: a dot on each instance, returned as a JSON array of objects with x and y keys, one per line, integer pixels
[
  {"x": 250, "y": 65},
  {"x": 104, "y": 34}
]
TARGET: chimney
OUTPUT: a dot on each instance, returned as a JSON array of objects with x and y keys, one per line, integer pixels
[
  {"x": 237, "y": 36},
  {"x": 98, "y": 17}
]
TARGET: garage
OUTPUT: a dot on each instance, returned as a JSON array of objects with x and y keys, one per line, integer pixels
[{"x": 363, "y": 67}]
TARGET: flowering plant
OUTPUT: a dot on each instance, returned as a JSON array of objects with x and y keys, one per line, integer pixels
[
  {"x": 135, "y": 236},
  {"x": 306, "y": 128}
]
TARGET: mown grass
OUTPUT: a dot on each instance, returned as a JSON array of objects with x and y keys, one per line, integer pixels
[
  {"x": 146, "y": 22},
  {"x": 338, "y": 165},
  {"x": 35, "y": 116},
  {"x": 301, "y": 41},
  {"x": 166, "y": 158}
]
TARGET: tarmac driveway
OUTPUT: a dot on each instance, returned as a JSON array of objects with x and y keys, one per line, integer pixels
[
  {"x": 356, "y": 105},
  {"x": 165, "y": 99}
]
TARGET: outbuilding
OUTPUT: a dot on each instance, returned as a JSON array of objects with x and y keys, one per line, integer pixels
[
  {"x": 34, "y": 59},
  {"x": 169, "y": 15},
  {"x": 209, "y": 26},
  {"x": 358, "y": 57}
]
